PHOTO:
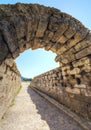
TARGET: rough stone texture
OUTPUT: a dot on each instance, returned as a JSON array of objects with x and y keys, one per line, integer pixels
[
  {"x": 24, "y": 26},
  {"x": 9, "y": 84},
  {"x": 65, "y": 88}
]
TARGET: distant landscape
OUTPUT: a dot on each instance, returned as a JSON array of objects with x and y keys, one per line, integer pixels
[{"x": 26, "y": 79}]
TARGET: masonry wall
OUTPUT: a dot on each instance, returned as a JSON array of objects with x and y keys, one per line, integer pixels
[
  {"x": 9, "y": 84},
  {"x": 24, "y": 26},
  {"x": 69, "y": 85}
]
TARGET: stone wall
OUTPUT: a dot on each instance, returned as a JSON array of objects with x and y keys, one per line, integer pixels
[
  {"x": 9, "y": 84},
  {"x": 70, "y": 86},
  {"x": 24, "y": 26}
]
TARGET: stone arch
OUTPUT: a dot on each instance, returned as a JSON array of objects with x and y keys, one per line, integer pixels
[{"x": 24, "y": 26}]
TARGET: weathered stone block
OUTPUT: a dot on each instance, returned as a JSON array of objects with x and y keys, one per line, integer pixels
[
  {"x": 42, "y": 26},
  {"x": 3, "y": 68},
  {"x": 62, "y": 39},
  {"x": 75, "y": 71},
  {"x": 73, "y": 91},
  {"x": 70, "y": 32},
  {"x": 83, "y": 53}
]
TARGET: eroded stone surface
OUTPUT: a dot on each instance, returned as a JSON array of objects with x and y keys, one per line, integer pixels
[
  {"x": 9, "y": 84},
  {"x": 24, "y": 26},
  {"x": 70, "y": 87},
  {"x": 40, "y": 27}
]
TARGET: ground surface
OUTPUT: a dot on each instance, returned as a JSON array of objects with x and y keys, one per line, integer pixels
[{"x": 32, "y": 112}]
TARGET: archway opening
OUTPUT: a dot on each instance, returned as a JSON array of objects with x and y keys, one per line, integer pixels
[
  {"x": 31, "y": 63},
  {"x": 25, "y": 26}
]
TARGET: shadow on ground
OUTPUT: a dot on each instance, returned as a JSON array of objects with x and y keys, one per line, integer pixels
[{"x": 55, "y": 119}]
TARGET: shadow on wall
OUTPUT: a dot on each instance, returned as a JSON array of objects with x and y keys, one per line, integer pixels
[{"x": 55, "y": 119}]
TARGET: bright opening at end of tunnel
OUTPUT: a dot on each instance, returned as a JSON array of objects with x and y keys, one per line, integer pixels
[{"x": 31, "y": 63}]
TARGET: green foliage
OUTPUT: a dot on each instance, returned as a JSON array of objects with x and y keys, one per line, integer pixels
[
  {"x": 19, "y": 90},
  {"x": 26, "y": 79},
  {"x": 12, "y": 103}
]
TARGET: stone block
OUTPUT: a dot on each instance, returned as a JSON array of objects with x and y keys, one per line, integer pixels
[
  {"x": 61, "y": 50},
  {"x": 49, "y": 35},
  {"x": 82, "y": 62},
  {"x": 9, "y": 62},
  {"x": 70, "y": 32},
  {"x": 62, "y": 39},
  {"x": 62, "y": 28},
  {"x": 75, "y": 71},
  {"x": 86, "y": 68},
  {"x": 83, "y": 53},
  {"x": 16, "y": 53},
  {"x": 42, "y": 26},
  {"x": 81, "y": 45},
  {"x": 73, "y": 91}
]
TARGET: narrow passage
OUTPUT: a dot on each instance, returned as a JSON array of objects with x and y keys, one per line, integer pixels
[{"x": 32, "y": 112}]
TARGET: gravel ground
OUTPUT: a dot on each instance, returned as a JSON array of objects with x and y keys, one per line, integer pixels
[{"x": 32, "y": 112}]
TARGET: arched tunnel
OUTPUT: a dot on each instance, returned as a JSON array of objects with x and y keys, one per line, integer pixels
[{"x": 24, "y": 26}]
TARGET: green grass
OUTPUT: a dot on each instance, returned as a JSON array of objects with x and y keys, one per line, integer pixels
[{"x": 18, "y": 91}]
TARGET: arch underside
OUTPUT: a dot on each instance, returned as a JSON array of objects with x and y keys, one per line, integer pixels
[
  {"x": 24, "y": 26},
  {"x": 34, "y": 26}
]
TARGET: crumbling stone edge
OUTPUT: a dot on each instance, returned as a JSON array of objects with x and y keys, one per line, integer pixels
[{"x": 85, "y": 124}]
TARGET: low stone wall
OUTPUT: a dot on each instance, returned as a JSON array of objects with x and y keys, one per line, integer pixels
[
  {"x": 9, "y": 84},
  {"x": 70, "y": 86}
]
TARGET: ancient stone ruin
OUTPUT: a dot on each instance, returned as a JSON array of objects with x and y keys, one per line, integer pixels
[{"x": 24, "y": 26}]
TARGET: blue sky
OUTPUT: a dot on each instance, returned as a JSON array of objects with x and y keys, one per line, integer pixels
[{"x": 32, "y": 63}]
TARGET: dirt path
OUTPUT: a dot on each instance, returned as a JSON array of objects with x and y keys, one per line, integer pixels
[{"x": 32, "y": 112}]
